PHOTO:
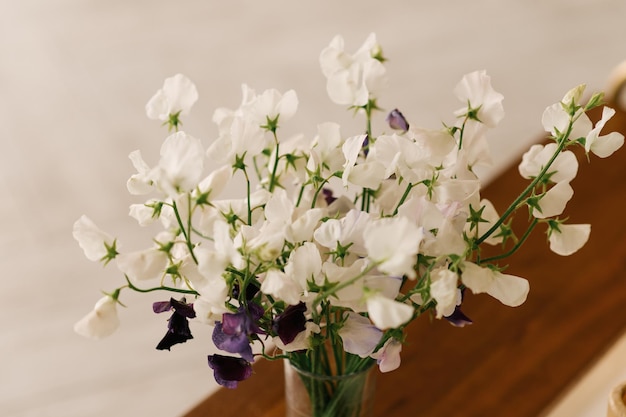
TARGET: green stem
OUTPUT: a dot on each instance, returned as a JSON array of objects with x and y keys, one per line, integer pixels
[
  {"x": 184, "y": 230},
  {"x": 160, "y": 288},
  {"x": 514, "y": 248},
  {"x": 275, "y": 167},
  {"x": 561, "y": 144}
]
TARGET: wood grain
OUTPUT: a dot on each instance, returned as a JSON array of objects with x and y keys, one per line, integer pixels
[{"x": 511, "y": 361}]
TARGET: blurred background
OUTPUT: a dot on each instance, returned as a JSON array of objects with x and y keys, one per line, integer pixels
[{"x": 74, "y": 79}]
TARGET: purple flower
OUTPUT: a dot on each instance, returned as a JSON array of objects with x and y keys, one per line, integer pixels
[
  {"x": 291, "y": 322},
  {"x": 458, "y": 318},
  {"x": 233, "y": 333},
  {"x": 397, "y": 121},
  {"x": 178, "y": 324},
  {"x": 228, "y": 371}
]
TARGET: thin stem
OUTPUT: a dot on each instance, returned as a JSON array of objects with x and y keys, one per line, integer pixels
[
  {"x": 275, "y": 167},
  {"x": 514, "y": 248},
  {"x": 160, "y": 288},
  {"x": 561, "y": 144},
  {"x": 184, "y": 231}
]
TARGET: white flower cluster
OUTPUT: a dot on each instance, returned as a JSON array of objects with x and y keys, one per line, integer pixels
[{"x": 365, "y": 231}]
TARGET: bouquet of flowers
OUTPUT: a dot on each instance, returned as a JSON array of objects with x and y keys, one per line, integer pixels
[{"x": 339, "y": 240}]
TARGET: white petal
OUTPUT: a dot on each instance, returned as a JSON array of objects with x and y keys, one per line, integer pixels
[
  {"x": 279, "y": 285},
  {"x": 143, "y": 265},
  {"x": 386, "y": 313},
  {"x": 394, "y": 244},
  {"x": 101, "y": 322},
  {"x": 388, "y": 357},
  {"x": 554, "y": 201},
  {"x": 91, "y": 238},
  {"x": 181, "y": 93},
  {"x": 359, "y": 335},
  {"x": 569, "y": 239},
  {"x": 444, "y": 289},
  {"x": 508, "y": 289}
]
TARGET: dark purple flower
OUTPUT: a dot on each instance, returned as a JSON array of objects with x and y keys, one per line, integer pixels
[
  {"x": 291, "y": 322},
  {"x": 178, "y": 324},
  {"x": 328, "y": 195},
  {"x": 228, "y": 371},
  {"x": 397, "y": 121},
  {"x": 232, "y": 333},
  {"x": 458, "y": 318}
]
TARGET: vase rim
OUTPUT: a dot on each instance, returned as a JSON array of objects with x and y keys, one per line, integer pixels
[{"x": 369, "y": 366}]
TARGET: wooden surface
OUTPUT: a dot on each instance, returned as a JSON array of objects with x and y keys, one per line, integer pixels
[{"x": 511, "y": 361}]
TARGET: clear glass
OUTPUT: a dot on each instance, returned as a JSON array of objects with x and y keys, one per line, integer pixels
[{"x": 313, "y": 395}]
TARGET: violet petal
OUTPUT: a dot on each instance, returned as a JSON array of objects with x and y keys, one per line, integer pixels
[{"x": 228, "y": 371}]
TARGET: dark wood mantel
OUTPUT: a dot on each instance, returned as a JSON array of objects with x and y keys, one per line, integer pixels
[{"x": 511, "y": 361}]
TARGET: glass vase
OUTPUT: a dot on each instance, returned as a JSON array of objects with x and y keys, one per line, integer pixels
[{"x": 319, "y": 395}]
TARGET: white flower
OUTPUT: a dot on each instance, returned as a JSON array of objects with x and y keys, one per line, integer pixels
[
  {"x": 352, "y": 79},
  {"x": 212, "y": 262},
  {"x": 553, "y": 202},
  {"x": 444, "y": 289},
  {"x": 351, "y": 149},
  {"x": 144, "y": 264},
  {"x": 603, "y": 146},
  {"x": 568, "y": 238},
  {"x": 271, "y": 104},
  {"x": 96, "y": 244},
  {"x": 386, "y": 313},
  {"x": 178, "y": 95},
  {"x": 139, "y": 183},
  {"x": 476, "y": 91},
  {"x": 556, "y": 120},
  {"x": 388, "y": 356},
  {"x": 563, "y": 169},
  {"x": 304, "y": 264},
  {"x": 508, "y": 289},
  {"x": 101, "y": 322},
  {"x": 210, "y": 306},
  {"x": 359, "y": 335},
  {"x": 181, "y": 164},
  {"x": 393, "y": 244},
  {"x": 282, "y": 286},
  {"x": 347, "y": 232}
]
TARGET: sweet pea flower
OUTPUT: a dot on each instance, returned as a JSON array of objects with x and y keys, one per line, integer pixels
[
  {"x": 290, "y": 323},
  {"x": 271, "y": 106},
  {"x": 387, "y": 313},
  {"x": 143, "y": 264},
  {"x": 553, "y": 202},
  {"x": 359, "y": 336},
  {"x": 181, "y": 164},
  {"x": 176, "y": 97},
  {"x": 351, "y": 150},
  {"x": 178, "y": 324},
  {"x": 233, "y": 333},
  {"x": 95, "y": 243},
  {"x": 393, "y": 243},
  {"x": 444, "y": 289},
  {"x": 388, "y": 356},
  {"x": 139, "y": 183},
  {"x": 566, "y": 239},
  {"x": 229, "y": 371},
  {"x": 353, "y": 79},
  {"x": 508, "y": 289},
  {"x": 482, "y": 100},
  {"x": 603, "y": 146},
  {"x": 101, "y": 322},
  {"x": 397, "y": 121},
  {"x": 563, "y": 169}
]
